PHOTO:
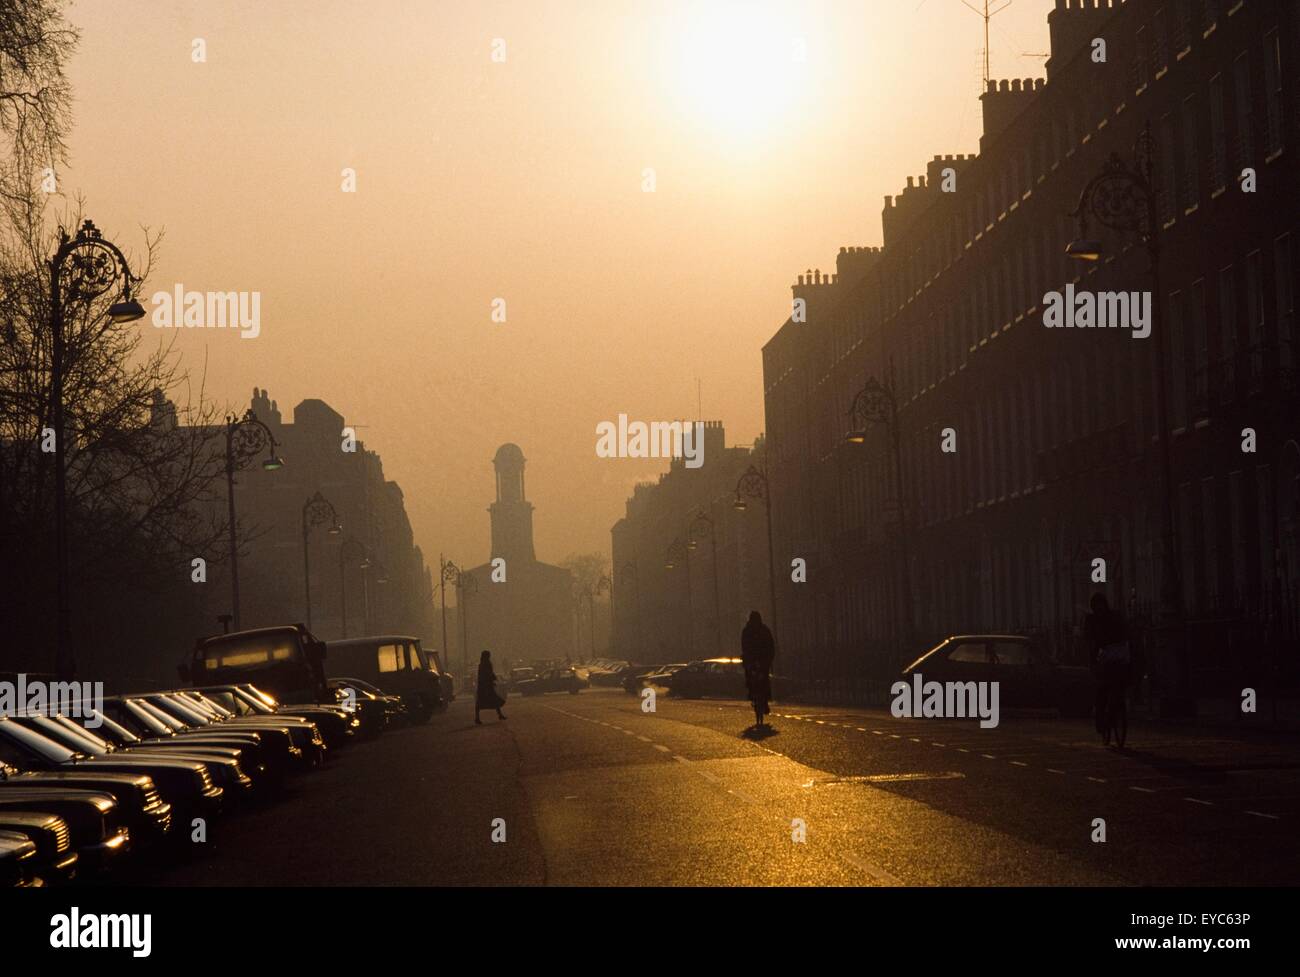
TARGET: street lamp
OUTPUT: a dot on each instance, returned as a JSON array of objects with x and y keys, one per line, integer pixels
[
  {"x": 1123, "y": 197},
  {"x": 316, "y": 511},
  {"x": 466, "y": 584},
  {"x": 351, "y": 548},
  {"x": 678, "y": 555},
  {"x": 245, "y": 437},
  {"x": 93, "y": 266},
  {"x": 753, "y": 484},
  {"x": 447, "y": 572},
  {"x": 703, "y": 525},
  {"x": 876, "y": 403}
]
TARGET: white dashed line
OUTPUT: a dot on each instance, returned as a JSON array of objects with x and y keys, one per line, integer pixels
[
  {"x": 664, "y": 748},
  {"x": 1098, "y": 780},
  {"x": 1197, "y": 800},
  {"x": 1261, "y": 814},
  {"x": 1054, "y": 770},
  {"x": 1144, "y": 790},
  {"x": 1017, "y": 763}
]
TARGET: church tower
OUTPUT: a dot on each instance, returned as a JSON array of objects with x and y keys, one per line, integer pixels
[{"x": 512, "y": 513}]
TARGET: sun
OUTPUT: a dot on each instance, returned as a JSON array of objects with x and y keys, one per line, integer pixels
[{"x": 736, "y": 68}]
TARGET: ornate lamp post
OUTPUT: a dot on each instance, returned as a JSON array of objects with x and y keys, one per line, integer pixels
[
  {"x": 448, "y": 573},
  {"x": 1123, "y": 197},
  {"x": 466, "y": 584},
  {"x": 245, "y": 437},
  {"x": 352, "y": 549},
  {"x": 703, "y": 525},
  {"x": 316, "y": 511},
  {"x": 82, "y": 269},
  {"x": 753, "y": 484},
  {"x": 876, "y": 403}
]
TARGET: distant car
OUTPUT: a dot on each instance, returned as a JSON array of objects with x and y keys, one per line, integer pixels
[
  {"x": 719, "y": 678},
  {"x": 518, "y": 676},
  {"x": 552, "y": 680},
  {"x": 1026, "y": 676},
  {"x": 662, "y": 675},
  {"x": 609, "y": 674},
  {"x": 635, "y": 676}
]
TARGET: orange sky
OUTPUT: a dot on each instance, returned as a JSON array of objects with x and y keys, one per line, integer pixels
[{"x": 520, "y": 180}]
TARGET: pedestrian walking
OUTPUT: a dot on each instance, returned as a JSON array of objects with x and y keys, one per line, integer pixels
[
  {"x": 486, "y": 696},
  {"x": 757, "y": 652}
]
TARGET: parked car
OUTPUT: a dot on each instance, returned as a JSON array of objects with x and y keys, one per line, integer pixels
[
  {"x": 335, "y": 724},
  {"x": 721, "y": 678},
  {"x": 552, "y": 680},
  {"x": 56, "y": 859},
  {"x": 17, "y": 860},
  {"x": 148, "y": 815},
  {"x": 96, "y": 827},
  {"x": 634, "y": 677},
  {"x": 394, "y": 662},
  {"x": 186, "y": 784},
  {"x": 376, "y": 710},
  {"x": 663, "y": 675},
  {"x": 1025, "y": 674},
  {"x": 609, "y": 674},
  {"x": 517, "y": 675}
]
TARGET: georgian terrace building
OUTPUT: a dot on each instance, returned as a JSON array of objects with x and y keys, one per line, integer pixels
[{"x": 1057, "y": 459}]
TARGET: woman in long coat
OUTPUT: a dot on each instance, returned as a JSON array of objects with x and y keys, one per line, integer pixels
[
  {"x": 485, "y": 697},
  {"x": 757, "y": 652}
]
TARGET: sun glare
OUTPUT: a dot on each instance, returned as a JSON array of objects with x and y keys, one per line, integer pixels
[{"x": 735, "y": 67}]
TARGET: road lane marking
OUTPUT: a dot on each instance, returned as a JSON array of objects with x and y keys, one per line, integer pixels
[
  {"x": 644, "y": 739},
  {"x": 1017, "y": 763},
  {"x": 875, "y": 871},
  {"x": 664, "y": 748},
  {"x": 1197, "y": 800},
  {"x": 1145, "y": 790},
  {"x": 1054, "y": 770},
  {"x": 1098, "y": 780},
  {"x": 1261, "y": 814}
]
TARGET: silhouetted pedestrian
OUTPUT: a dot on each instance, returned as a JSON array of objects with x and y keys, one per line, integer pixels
[
  {"x": 1107, "y": 638},
  {"x": 757, "y": 652},
  {"x": 485, "y": 696}
]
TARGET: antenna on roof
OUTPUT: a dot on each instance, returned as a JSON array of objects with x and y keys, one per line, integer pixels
[{"x": 986, "y": 15}]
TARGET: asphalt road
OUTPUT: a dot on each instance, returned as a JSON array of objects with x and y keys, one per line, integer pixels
[{"x": 594, "y": 791}]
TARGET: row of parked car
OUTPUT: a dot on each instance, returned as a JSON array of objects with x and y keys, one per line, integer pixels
[{"x": 87, "y": 790}]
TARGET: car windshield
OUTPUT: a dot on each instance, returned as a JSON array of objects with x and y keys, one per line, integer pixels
[
  {"x": 259, "y": 700},
  {"x": 111, "y": 726},
  {"x": 212, "y": 704},
  {"x": 101, "y": 742},
  {"x": 251, "y": 650},
  {"x": 42, "y": 746},
  {"x": 169, "y": 723},
  {"x": 144, "y": 721},
  {"x": 174, "y": 708},
  {"x": 55, "y": 730}
]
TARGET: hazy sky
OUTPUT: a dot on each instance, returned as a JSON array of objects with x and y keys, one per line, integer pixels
[{"x": 519, "y": 180}]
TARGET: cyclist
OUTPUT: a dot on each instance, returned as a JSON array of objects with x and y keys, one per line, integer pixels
[{"x": 1107, "y": 637}]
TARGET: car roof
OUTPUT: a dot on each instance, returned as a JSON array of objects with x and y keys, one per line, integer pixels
[
  {"x": 729, "y": 661},
  {"x": 988, "y": 637},
  {"x": 369, "y": 640}
]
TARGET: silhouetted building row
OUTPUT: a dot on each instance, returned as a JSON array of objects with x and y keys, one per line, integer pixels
[
  {"x": 1054, "y": 449},
  {"x": 371, "y": 562},
  {"x": 688, "y": 519}
]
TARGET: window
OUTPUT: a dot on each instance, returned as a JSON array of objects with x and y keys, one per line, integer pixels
[
  {"x": 1200, "y": 344},
  {"x": 389, "y": 658},
  {"x": 1191, "y": 194},
  {"x": 1168, "y": 192},
  {"x": 1272, "y": 92},
  {"x": 1245, "y": 144},
  {"x": 1255, "y": 302},
  {"x": 1284, "y": 277},
  {"x": 1228, "y": 324},
  {"x": 1009, "y": 652},
  {"x": 969, "y": 651},
  {"x": 1178, "y": 361},
  {"x": 1218, "y": 137}
]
